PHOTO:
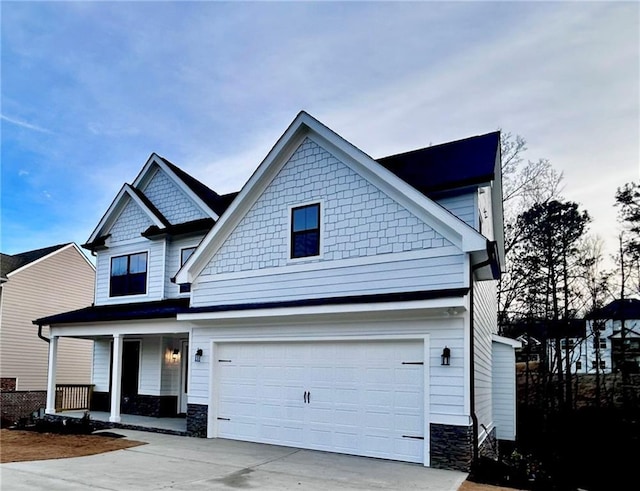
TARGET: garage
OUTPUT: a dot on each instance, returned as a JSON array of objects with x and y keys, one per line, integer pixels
[{"x": 354, "y": 397}]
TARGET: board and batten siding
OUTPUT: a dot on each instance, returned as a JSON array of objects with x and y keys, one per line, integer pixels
[
  {"x": 59, "y": 282},
  {"x": 155, "y": 271},
  {"x": 504, "y": 391},
  {"x": 446, "y": 385},
  {"x": 485, "y": 324}
]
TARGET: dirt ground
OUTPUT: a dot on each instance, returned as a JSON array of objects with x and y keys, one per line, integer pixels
[{"x": 20, "y": 446}]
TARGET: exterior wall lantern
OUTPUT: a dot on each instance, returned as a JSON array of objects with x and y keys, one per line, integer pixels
[
  {"x": 199, "y": 355},
  {"x": 175, "y": 354},
  {"x": 446, "y": 356}
]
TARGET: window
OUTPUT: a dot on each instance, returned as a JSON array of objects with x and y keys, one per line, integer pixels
[
  {"x": 578, "y": 365},
  {"x": 603, "y": 364},
  {"x": 305, "y": 231},
  {"x": 185, "y": 254},
  {"x": 128, "y": 275}
]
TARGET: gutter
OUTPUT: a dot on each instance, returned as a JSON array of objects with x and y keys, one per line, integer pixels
[
  {"x": 490, "y": 261},
  {"x": 40, "y": 335}
]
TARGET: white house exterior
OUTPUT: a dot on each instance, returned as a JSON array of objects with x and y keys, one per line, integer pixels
[{"x": 318, "y": 304}]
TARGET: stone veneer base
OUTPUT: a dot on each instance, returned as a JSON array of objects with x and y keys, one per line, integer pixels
[
  {"x": 197, "y": 415},
  {"x": 451, "y": 447}
]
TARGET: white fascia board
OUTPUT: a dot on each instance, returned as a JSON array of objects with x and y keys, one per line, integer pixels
[
  {"x": 248, "y": 195},
  {"x": 181, "y": 184},
  {"x": 116, "y": 207},
  {"x": 123, "y": 328},
  {"x": 51, "y": 254},
  {"x": 434, "y": 305},
  {"x": 304, "y": 125},
  {"x": 514, "y": 343}
]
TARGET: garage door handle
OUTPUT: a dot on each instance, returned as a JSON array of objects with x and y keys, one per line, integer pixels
[
  {"x": 305, "y": 397},
  {"x": 309, "y": 397}
]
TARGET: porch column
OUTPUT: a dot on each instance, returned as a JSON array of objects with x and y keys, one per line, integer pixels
[
  {"x": 51, "y": 376},
  {"x": 116, "y": 379}
]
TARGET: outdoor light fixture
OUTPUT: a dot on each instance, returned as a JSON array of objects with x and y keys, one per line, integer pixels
[
  {"x": 199, "y": 354},
  {"x": 446, "y": 356},
  {"x": 175, "y": 354}
]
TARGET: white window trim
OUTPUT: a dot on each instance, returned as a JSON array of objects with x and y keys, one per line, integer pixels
[
  {"x": 292, "y": 260},
  {"x": 146, "y": 286},
  {"x": 194, "y": 247}
]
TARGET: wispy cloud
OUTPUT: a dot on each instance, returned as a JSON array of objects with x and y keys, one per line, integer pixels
[{"x": 24, "y": 124}]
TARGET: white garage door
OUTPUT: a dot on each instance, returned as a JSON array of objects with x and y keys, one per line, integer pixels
[{"x": 359, "y": 398}]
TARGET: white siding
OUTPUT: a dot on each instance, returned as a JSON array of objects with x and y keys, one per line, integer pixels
[
  {"x": 172, "y": 290},
  {"x": 463, "y": 206},
  {"x": 504, "y": 391},
  {"x": 155, "y": 271},
  {"x": 357, "y": 219},
  {"x": 170, "y": 376},
  {"x": 172, "y": 202},
  {"x": 446, "y": 384},
  {"x": 432, "y": 273},
  {"x": 150, "y": 365},
  {"x": 101, "y": 364},
  {"x": 485, "y": 324},
  {"x": 130, "y": 223},
  {"x": 486, "y": 212}
]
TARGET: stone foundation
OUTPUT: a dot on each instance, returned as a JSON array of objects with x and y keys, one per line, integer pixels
[
  {"x": 489, "y": 447},
  {"x": 451, "y": 447},
  {"x": 139, "y": 405},
  {"x": 20, "y": 405},
  {"x": 197, "y": 415}
]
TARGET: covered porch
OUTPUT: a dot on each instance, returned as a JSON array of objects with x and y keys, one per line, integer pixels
[{"x": 172, "y": 426}]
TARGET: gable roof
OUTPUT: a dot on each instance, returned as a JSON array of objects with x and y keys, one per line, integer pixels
[
  {"x": 208, "y": 200},
  {"x": 9, "y": 263},
  {"x": 305, "y": 126},
  {"x": 626, "y": 309},
  {"x": 448, "y": 166}
]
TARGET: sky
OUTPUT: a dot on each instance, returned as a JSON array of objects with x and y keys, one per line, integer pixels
[{"x": 89, "y": 90}]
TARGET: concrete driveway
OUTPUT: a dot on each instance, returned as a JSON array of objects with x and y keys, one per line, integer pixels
[{"x": 175, "y": 462}]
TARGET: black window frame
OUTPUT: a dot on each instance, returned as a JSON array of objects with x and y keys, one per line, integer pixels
[
  {"x": 128, "y": 284},
  {"x": 305, "y": 242},
  {"x": 186, "y": 287}
]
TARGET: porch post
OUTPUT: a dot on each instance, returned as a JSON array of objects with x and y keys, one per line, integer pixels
[
  {"x": 51, "y": 376},
  {"x": 116, "y": 379}
]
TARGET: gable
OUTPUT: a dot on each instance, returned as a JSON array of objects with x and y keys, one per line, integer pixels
[
  {"x": 170, "y": 200},
  {"x": 359, "y": 220},
  {"x": 129, "y": 223}
]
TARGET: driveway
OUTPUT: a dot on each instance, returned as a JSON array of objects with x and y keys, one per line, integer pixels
[{"x": 175, "y": 462}]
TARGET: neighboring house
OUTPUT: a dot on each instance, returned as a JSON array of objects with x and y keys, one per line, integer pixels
[
  {"x": 35, "y": 284},
  {"x": 336, "y": 303},
  {"x": 607, "y": 345}
]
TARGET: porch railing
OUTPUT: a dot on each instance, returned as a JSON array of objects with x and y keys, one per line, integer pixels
[{"x": 73, "y": 396}]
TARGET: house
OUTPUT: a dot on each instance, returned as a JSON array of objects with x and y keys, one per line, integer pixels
[
  {"x": 613, "y": 337},
  {"x": 30, "y": 287},
  {"x": 336, "y": 302}
]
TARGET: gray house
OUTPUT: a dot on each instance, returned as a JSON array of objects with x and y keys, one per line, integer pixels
[{"x": 336, "y": 302}]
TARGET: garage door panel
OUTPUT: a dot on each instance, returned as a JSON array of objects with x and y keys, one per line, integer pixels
[{"x": 362, "y": 399}]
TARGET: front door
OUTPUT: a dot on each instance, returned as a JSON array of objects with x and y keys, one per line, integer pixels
[{"x": 130, "y": 374}]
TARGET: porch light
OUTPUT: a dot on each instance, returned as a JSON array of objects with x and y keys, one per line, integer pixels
[
  {"x": 175, "y": 354},
  {"x": 199, "y": 354},
  {"x": 446, "y": 356}
]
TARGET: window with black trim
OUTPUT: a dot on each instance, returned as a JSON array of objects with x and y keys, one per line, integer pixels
[
  {"x": 305, "y": 231},
  {"x": 185, "y": 254},
  {"x": 128, "y": 275}
]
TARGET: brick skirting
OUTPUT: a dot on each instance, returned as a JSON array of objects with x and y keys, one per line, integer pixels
[{"x": 21, "y": 404}]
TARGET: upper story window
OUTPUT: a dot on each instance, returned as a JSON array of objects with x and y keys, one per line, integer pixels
[
  {"x": 128, "y": 275},
  {"x": 305, "y": 231},
  {"x": 185, "y": 254}
]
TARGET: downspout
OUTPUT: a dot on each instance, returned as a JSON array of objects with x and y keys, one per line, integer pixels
[
  {"x": 41, "y": 336},
  {"x": 472, "y": 385}
]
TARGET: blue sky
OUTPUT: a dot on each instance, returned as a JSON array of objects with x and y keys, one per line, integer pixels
[{"x": 91, "y": 89}]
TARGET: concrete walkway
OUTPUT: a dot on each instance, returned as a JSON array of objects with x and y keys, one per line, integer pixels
[{"x": 184, "y": 463}]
